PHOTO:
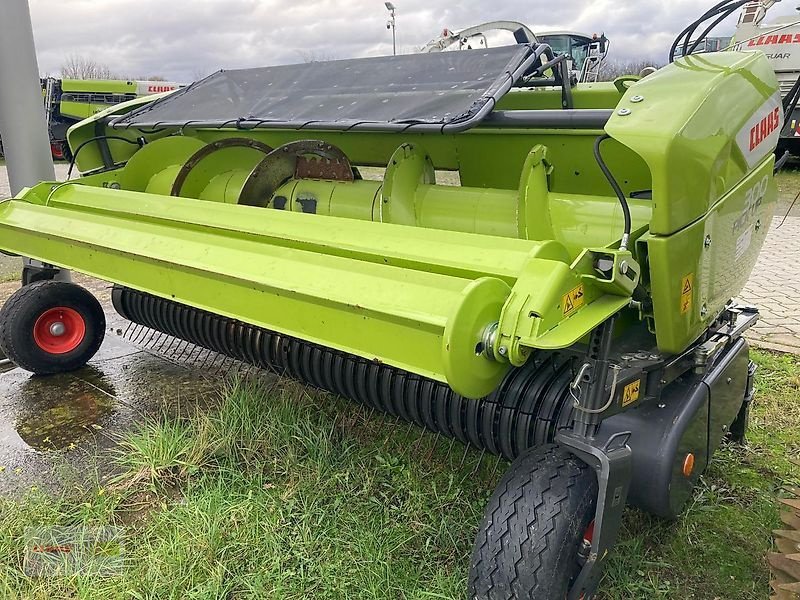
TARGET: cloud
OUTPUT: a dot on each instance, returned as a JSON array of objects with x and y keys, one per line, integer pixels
[{"x": 183, "y": 39}]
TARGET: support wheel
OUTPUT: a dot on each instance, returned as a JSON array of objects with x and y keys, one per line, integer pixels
[
  {"x": 51, "y": 327},
  {"x": 537, "y": 528}
]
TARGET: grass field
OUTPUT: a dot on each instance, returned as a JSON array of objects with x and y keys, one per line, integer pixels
[{"x": 279, "y": 492}]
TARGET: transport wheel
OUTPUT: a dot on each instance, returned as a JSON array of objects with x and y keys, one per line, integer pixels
[
  {"x": 537, "y": 528},
  {"x": 51, "y": 327}
]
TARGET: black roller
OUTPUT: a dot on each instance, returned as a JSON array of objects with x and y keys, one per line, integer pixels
[{"x": 526, "y": 410}]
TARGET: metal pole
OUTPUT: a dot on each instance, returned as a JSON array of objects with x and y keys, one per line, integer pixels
[
  {"x": 26, "y": 140},
  {"x": 392, "y": 24},
  {"x": 394, "y": 35}
]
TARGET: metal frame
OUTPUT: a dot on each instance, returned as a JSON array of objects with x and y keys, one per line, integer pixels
[{"x": 493, "y": 95}]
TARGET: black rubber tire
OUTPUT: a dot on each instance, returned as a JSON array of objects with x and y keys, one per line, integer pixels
[
  {"x": 528, "y": 543},
  {"x": 20, "y": 313}
]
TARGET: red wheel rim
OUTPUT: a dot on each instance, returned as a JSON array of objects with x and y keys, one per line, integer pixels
[{"x": 59, "y": 330}]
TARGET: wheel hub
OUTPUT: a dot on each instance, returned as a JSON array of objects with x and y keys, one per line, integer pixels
[{"x": 59, "y": 330}]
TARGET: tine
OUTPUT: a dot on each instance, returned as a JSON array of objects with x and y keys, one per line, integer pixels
[
  {"x": 141, "y": 334},
  {"x": 434, "y": 446},
  {"x": 194, "y": 355},
  {"x": 422, "y": 432},
  {"x": 480, "y": 462},
  {"x": 163, "y": 341},
  {"x": 138, "y": 332},
  {"x": 463, "y": 458},
  {"x": 187, "y": 346},
  {"x": 450, "y": 448},
  {"x": 153, "y": 333},
  {"x": 496, "y": 464},
  {"x": 172, "y": 342}
]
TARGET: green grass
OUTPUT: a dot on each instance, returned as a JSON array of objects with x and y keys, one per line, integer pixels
[{"x": 279, "y": 492}]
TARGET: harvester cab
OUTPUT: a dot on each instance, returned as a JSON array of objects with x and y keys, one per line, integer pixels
[
  {"x": 585, "y": 53},
  {"x": 568, "y": 306}
]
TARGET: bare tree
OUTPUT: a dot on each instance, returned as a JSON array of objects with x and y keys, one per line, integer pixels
[
  {"x": 612, "y": 69},
  {"x": 83, "y": 67}
]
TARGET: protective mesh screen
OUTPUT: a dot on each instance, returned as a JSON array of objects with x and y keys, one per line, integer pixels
[{"x": 433, "y": 89}]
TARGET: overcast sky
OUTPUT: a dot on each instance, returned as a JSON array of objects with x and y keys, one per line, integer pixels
[{"x": 184, "y": 39}]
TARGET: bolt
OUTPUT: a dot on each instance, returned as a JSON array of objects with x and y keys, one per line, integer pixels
[
  {"x": 623, "y": 267},
  {"x": 662, "y": 406},
  {"x": 707, "y": 242},
  {"x": 503, "y": 350},
  {"x": 758, "y": 225},
  {"x": 58, "y": 329},
  {"x": 729, "y": 380},
  {"x": 704, "y": 311},
  {"x": 637, "y": 99},
  {"x": 623, "y": 112}
]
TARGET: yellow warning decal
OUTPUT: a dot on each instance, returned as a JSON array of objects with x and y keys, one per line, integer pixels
[
  {"x": 632, "y": 391},
  {"x": 572, "y": 301},
  {"x": 687, "y": 293}
]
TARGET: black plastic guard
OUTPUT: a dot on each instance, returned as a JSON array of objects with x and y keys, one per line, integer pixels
[{"x": 692, "y": 416}]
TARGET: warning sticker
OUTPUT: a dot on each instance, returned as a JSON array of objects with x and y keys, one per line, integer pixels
[
  {"x": 632, "y": 391},
  {"x": 572, "y": 301},
  {"x": 687, "y": 293}
]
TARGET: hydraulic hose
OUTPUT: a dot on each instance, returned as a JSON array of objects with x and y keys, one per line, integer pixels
[{"x": 623, "y": 201}]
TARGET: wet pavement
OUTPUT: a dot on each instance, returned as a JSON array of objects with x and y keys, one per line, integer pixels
[{"x": 53, "y": 429}]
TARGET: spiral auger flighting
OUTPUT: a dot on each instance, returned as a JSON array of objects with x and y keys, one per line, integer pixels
[{"x": 785, "y": 562}]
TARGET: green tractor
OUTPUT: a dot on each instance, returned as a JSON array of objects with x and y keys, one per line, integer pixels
[{"x": 568, "y": 306}]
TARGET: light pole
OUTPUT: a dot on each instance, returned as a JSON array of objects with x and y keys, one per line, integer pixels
[{"x": 392, "y": 24}]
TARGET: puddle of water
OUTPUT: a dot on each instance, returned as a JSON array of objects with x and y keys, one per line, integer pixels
[{"x": 53, "y": 413}]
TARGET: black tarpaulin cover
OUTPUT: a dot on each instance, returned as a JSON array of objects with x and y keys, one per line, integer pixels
[{"x": 434, "y": 90}]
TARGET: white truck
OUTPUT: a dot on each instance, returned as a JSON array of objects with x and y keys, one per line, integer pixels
[{"x": 779, "y": 40}]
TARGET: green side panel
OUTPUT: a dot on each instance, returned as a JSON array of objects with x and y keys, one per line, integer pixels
[
  {"x": 715, "y": 256},
  {"x": 80, "y": 110},
  {"x": 99, "y": 86},
  {"x": 584, "y": 95},
  {"x": 691, "y": 122}
]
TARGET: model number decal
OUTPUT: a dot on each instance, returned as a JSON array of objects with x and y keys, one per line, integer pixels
[{"x": 752, "y": 202}]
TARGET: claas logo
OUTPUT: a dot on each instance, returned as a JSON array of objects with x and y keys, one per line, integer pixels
[
  {"x": 770, "y": 40},
  {"x": 765, "y": 128},
  {"x": 157, "y": 89}
]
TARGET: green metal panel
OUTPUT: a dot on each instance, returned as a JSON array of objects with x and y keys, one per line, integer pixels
[
  {"x": 412, "y": 297},
  {"x": 585, "y": 95},
  {"x": 715, "y": 255},
  {"x": 685, "y": 121},
  {"x": 99, "y": 86}
]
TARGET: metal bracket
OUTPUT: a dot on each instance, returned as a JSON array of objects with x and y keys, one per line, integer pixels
[
  {"x": 210, "y": 149},
  {"x": 287, "y": 162},
  {"x": 613, "y": 465}
]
